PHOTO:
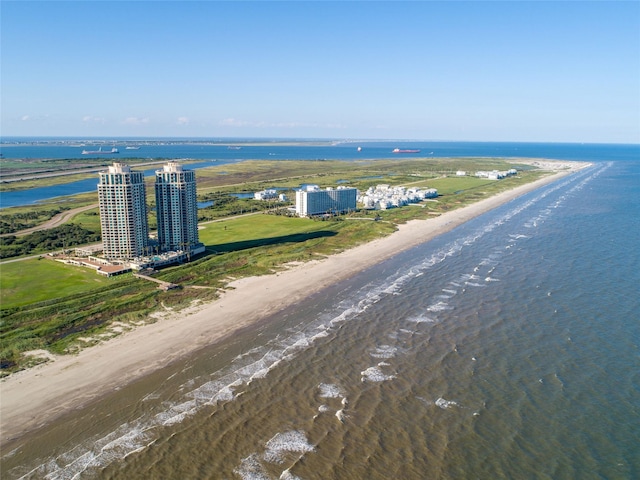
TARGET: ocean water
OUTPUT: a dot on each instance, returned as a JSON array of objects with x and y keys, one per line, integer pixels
[
  {"x": 274, "y": 149},
  {"x": 506, "y": 348}
]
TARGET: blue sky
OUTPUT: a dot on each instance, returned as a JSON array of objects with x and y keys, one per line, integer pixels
[{"x": 482, "y": 71}]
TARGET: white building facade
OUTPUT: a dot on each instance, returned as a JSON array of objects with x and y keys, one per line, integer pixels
[
  {"x": 385, "y": 196},
  {"x": 312, "y": 200},
  {"x": 496, "y": 175},
  {"x": 268, "y": 194},
  {"x": 123, "y": 212},
  {"x": 177, "y": 208}
]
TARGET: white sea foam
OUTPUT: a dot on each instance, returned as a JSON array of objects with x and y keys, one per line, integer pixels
[
  {"x": 251, "y": 469},
  {"x": 77, "y": 461},
  {"x": 323, "y": 332},
  {"x": 491, "y": 279},
  {"x": 449, "y": 291},
  {"x": 292, "y": 441},
  {"x": 330, "y": 390},
  {"x": 384, "y": 351},
  {"x": 287, "y": 475},
  {"x": 445, "y": 404},
  {"x": 469, "y": 276},
  {"x": 421, "y": 319},
  {"x": 215, "y": 391},
  {"x": 374, "y": 374},
  {"x": 173, "y": 416},
  {"x": 439, "y": 307}
]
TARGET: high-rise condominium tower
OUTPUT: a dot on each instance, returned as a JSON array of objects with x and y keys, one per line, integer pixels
[
  {"x": 177, "y": 208},
  {"x": 123, "y": 212}
]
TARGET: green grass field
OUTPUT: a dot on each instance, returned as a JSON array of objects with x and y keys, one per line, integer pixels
[
  {"x": 219, "y": 234},
  {"x": 37, "y": 280}
]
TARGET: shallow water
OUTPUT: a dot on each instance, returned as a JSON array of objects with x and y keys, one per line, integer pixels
[{"x": 507, "y": 348}]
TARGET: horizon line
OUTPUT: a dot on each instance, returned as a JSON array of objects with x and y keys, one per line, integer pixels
[{"x": 4, "y": 138}]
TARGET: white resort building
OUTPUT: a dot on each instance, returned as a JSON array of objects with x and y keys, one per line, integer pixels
[
  {"x": 177, "y": 208},
  {"x": 268, "y": 194},
  {"x": 495, "y": 174},
  {"x": 123, "y": 212},
  {"x": 385, "y": 196},
  {"x": 312, "y": 200}
]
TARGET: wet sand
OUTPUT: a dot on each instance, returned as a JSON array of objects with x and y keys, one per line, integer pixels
[{"x": 34, "y": 397}]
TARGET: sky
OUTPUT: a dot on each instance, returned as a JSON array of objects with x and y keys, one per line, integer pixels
[{"x": 541, "y": 71}]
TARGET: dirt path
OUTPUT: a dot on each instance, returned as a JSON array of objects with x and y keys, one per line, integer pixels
[{"x": 55, "y": 221}]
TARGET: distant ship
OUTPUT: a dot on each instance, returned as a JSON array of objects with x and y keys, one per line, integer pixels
[
  {"x": 233, "y": 147},
  {"x": 398, "y": 150},
  {"x": 359, "y": 149},
  {"x": 131, "y": 148},
  {"x": 100, "y": 151}
]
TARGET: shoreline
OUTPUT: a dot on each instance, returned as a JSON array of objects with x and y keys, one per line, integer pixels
[{"x": 34, "y": 397}]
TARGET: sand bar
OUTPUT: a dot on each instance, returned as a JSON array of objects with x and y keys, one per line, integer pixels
[{"x": 34, "y": 397}]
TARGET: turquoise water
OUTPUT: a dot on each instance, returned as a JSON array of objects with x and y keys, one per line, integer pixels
[{"x": 506, "y": 348}]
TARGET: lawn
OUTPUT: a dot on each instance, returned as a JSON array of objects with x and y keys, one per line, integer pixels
[
  {"x": 451, "y": 185},
  {"x": 220, "y": 234},
  {"x": 45, "y": 279}
]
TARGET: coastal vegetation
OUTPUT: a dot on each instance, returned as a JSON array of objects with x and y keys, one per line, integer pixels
[
  {"x": 47, "y": 305},
  {"x": 58, "y": 238},
  {"x": 23, "y": 218}
]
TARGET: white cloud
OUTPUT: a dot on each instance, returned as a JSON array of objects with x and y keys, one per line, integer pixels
[
  {"x": 233, "y": 122},
  {"x": 136, "y": 121},
  {"x": 92, "y": 119},
  {"x": 25, "y": 118},
  {"x": 183, "y": 120}
]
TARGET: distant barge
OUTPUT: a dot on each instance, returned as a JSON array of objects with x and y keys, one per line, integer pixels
[
  {"x": 399, "y": 150},
  {"x": 100, "y": 151}
]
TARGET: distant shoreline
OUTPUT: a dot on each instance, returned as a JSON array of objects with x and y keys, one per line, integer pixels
[
  {"x": 34, "y": 397},
  {"x": 225, "y": 142}
]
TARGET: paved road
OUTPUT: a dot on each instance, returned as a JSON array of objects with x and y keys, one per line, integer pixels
[{"x": 55, "y": 221}]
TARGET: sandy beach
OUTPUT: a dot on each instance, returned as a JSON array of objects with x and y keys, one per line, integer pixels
[{"x": 31, "y": 398}]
